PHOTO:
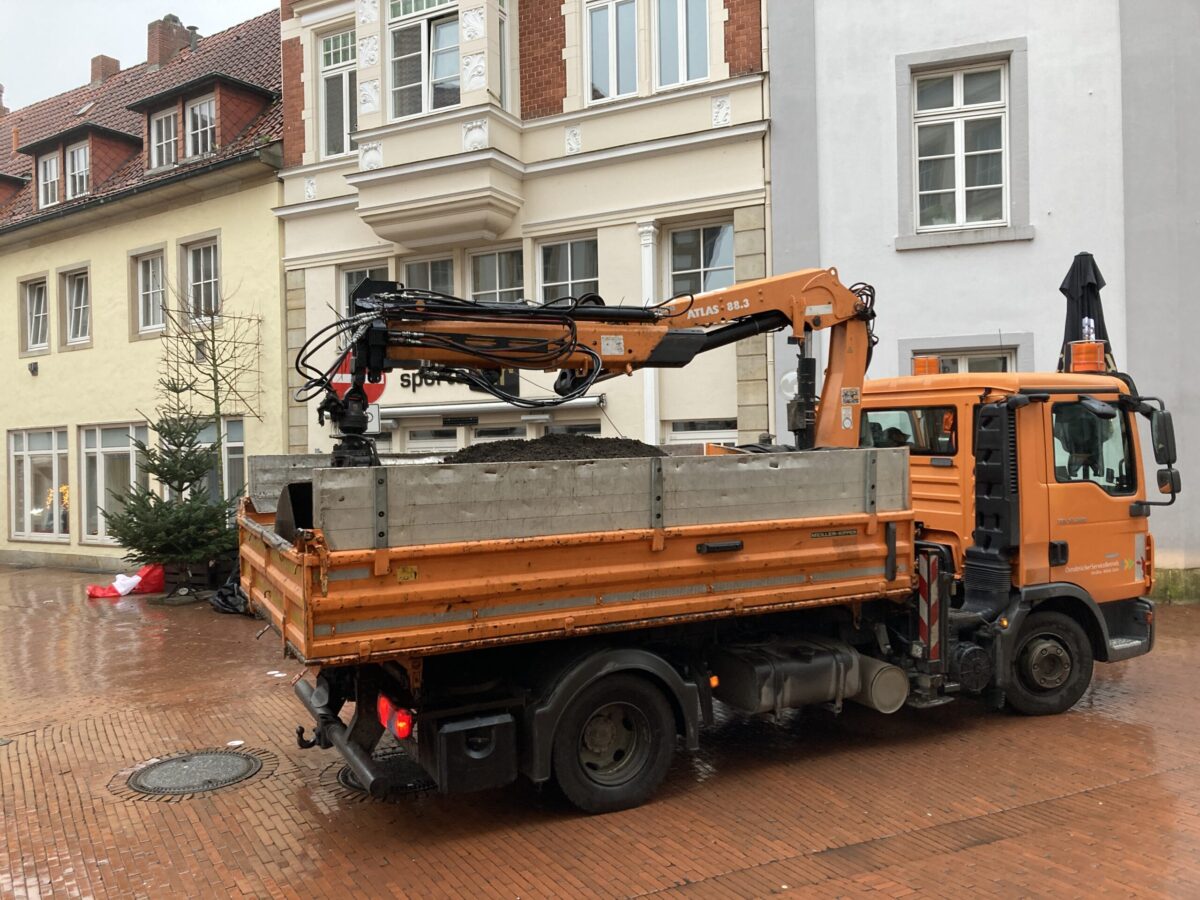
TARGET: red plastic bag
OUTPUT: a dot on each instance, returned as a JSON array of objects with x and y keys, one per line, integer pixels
[
  {"x": 95, "y": 591},
  {"x": 153, "y": 580}
]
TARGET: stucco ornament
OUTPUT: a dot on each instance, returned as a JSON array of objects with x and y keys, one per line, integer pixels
[
  {"x": 722, "y": 111},
  {"x": 475, "y": 135},
  {"x": 368, "y": 96},
  {"x": 310, "y": 189},
  {"x": 370, "y": 155},
  {"x": 473, "y": 24},
  {"x": 474, "y": 72},
  {"x": 574, "y": 139},
  {"x": 368, "y": 51},
  {"x": 368, "y": 12}
]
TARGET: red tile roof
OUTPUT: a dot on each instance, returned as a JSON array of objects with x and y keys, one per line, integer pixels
[{"x": 247, "y": 53}]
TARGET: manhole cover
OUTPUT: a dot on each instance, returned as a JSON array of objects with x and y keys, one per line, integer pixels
[
  {"x": 192, "y": 773},
  {"x": 402, "y": 770}
]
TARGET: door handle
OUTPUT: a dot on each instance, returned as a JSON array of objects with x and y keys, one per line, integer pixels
[{"x": 1060, "y": 551}]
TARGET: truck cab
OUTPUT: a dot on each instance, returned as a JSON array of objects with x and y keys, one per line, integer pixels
[{"x": 1033, "y": 483}]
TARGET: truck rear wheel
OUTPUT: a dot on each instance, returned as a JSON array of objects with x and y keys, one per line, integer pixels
[
  {"x": 1051, "y": 665},
  {"x": 614, "y": 744}
]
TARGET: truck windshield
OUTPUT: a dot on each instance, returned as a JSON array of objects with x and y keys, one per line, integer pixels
[
  {"x": 925, "y": 431},
  {"x": 1088, "y": 448}
]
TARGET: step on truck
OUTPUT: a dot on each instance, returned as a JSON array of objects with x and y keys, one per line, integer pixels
[{"x": 924, "y": 539}]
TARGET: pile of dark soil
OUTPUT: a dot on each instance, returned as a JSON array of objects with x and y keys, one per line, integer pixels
[{"x": 554, "y": 446}]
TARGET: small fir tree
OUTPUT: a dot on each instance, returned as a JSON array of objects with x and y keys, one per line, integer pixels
[{"x": 184, "y": 524}]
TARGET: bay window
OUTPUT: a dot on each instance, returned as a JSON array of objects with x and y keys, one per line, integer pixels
[
  {"x": 39, "y": 490},
  {"x": 424, "y": 58},
  {"x": 111, "y": 466},
  {"x": 339, "y": 102}
]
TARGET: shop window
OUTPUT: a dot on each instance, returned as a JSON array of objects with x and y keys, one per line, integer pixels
[{"x": 39, "y": 491}]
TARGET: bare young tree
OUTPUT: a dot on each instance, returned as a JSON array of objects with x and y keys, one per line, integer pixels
[{"x": 210, "y": 362}]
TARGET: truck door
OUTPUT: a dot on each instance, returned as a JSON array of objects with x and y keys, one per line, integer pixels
[{"x": 1094, "y": 479}]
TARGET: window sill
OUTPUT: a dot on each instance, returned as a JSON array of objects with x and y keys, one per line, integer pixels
[
  {"x": 75, "y": 345},
  {"x": 95, "y": 541},
  {"x": 994, "y": 235},
  {"x": 145, "y": 334},
  {"x": 37, "y": 351},
  {"x": 40, "y": 539},
  {"x": 165, "y": 167}
]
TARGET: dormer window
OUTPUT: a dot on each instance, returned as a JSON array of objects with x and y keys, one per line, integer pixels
[
  {"x": 77, "y": 170},
  {"x": 201, "y": 126},
  {"x": 48, "y": 179},
  {"x": 164, "y": 129}
]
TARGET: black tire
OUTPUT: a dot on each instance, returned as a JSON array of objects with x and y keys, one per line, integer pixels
[
  {"x": 613, "y": 744},
  {"x": 1051, "y": 665}
]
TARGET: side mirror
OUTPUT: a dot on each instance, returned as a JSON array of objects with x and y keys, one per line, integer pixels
[
  {"x": 1169, "y": 481},
  {"x": 1162, "y": 435}
]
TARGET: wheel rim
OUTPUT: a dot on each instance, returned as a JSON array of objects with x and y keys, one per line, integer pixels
[
  {"x": 614, "y": 743},
  {"x": 1046, "y": 663}
]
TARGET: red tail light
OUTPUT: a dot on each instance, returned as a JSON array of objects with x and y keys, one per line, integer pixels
[{"x": 396, "y": 720}]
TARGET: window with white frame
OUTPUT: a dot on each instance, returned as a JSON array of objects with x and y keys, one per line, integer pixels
[
  {"x": 232, "y": 458},
  {"x": 570, "y": 269},
  {"x": 77, "y": 170},
  {"x": 201, "y": 117},
  {"x": 430, "y": 440},
  {"x": 37, "y": 316},
  {"x": 424, "y": 58},
  {"x": 339, "y": 102},
  {"x": 203, "y": 280},
  {"x": 430, "y": 275},
  {"x": 1000, "y": 359},
  {"x": 589, "y": 428},
  {"x": 352, "y": 278},
  {"x": 703, "y": 431},
  {"x": 701, "y": 259},
  {"x": 487, "y": 434},
  {"x": 111, "y": 465},
  {"x": 79, "y": 307},
  {"x": 151, "y": 292},
  {"x": 498, "y": 277},
  {"x": 612, "y": 48},
  {"x": 960, "y": 139},
  {"x": 681, "y": 44},
  {"x": 48, "y": 179},
  {"x": 39, "y": 492},
  {"x": 164, "y": 141}
]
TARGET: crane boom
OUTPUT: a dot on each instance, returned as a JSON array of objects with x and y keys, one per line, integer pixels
[{"x": 588, "y": 342}]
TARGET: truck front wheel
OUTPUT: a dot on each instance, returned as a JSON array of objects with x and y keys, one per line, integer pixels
[
  {"x": 1051, "y": 665},
  {"x": 614, "y": 743}
]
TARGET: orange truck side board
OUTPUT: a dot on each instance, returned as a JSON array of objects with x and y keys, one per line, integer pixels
[{"x": 359, "y": 605}]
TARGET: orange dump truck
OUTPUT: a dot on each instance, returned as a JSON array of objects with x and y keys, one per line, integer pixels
[{"x": 574, "y": 619}]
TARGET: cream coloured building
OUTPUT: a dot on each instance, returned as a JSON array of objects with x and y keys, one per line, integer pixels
[
  {"x": 151, "y": 186},
  {"x": 529, "y": 149}
]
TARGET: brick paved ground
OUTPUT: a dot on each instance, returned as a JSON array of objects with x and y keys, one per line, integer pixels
[{"x": 954, "y": 802}]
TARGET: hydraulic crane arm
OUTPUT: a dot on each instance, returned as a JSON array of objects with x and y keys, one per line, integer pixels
[{"x": 587, "y": 342}]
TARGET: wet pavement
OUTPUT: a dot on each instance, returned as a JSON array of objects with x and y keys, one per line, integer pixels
[{"x": 954, "y": 801}]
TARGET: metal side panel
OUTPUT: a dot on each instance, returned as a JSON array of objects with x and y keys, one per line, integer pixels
[
  {"x": 269, "y": 473},
  {"x": 757, "y": 487}
]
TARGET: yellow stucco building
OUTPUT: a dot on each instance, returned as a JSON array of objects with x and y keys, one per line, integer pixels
[{"x": 150, "y": 187}]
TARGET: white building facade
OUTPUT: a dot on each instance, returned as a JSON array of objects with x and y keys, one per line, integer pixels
[
  {"x": 526, "y": 151},
  {"x": 965, "y": 152}
]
